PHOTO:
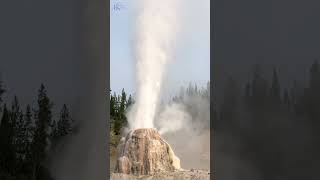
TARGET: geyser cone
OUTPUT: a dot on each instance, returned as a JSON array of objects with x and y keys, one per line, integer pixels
[{"x": 144, "y": 152}]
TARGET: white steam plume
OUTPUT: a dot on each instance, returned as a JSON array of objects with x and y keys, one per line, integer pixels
[
  {"x": 155, "y": 30},
  {"x": 173, "y": 118}
]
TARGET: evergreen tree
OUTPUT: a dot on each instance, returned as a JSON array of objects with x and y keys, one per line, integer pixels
[
  {"x": 129, "y": 102},
  {"x": 122, "y": 107},
  {"x": 29, "y": 131},
  {"x": 19, "y": 129},
  {"x": 7, "y": 156},
  {"x": 64, "y": 124},
  {"x": 116, "y": 104},
  {"x": 54, "y": 135},
  {"x": 40, "y": 140},
  {"x": 120, "y": 120},
  {"x": 117, "y": 126},
  {"x": 112, "y": 106}
]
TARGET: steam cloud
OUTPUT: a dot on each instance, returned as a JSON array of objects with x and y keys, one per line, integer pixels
[
  {"x": 155, "y": 29},
  {"x": 185, "y": 125},
  {"x": 173, "y": 118}
]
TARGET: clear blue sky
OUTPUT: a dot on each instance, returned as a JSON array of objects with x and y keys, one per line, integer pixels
[{"x": 192, "y": 63}]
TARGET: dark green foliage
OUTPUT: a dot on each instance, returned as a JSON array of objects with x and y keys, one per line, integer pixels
[
  {"x": 62, "y": 127},
  {"x": 112, "y": 106},
  {"x": 120, "y": 120},
  {"x": 19, "y": 140},
  {"x": 118, "y": 108},
  {"x": 65, "y": 122},
  {"x": 43, "y": 120},
  {"x": 117, "y": 126},
  {"x": 25, "y": 138},
  {"x": 7, "y": 156},
  {"x": 123, "y": 102},
  {"x": 29, "y": 131}
]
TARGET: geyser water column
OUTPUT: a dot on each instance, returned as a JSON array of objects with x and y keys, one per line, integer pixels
[{"x": 155, "y": 31}]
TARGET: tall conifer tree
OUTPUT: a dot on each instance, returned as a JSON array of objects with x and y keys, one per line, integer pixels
[{"x": 42, "y": 130}]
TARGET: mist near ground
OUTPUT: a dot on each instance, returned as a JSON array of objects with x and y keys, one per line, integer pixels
[{"x": 184, "y": 122}]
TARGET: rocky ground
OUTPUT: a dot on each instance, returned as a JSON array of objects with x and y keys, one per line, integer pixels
[
  {"x": 176, "y": 175},
  {"x": 144, "y": 149}
]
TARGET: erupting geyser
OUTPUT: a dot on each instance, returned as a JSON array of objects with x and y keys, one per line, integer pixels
[
  {"x": 144, "y": 152},
  {"x": 155, "y": 30}
]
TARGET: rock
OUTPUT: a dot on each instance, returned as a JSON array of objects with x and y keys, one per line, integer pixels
[{"x": 144, "y": 152}]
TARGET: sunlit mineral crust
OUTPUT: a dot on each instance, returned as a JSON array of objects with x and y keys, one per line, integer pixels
[{"x": 144, "y": 152}]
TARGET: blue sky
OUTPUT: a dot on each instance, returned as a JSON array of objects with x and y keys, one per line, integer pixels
[{"x": 192, "y": 56}]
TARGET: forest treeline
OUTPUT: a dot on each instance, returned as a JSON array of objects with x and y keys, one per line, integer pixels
[
  {"x": 29, "y": 135},
  {"x": 271, "y": 122},
  {"x": 119, "y": 104}
]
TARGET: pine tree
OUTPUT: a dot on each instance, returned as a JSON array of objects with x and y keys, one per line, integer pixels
[
  {"x": 7, "y": 156},
  {"x": 19, "y": 130},
  {"x": 41, "y": 136},
  {"x": 116, "y": 104},
  {"x": 64, "y": 124},
  {"x": 54, "y": 135},
  {"x": 112, "y": 106},
  {"x": 129, "y": 102},
  {"x": 122, "y": 107},
  {"x": 29, "y": 131},
  {"x": 120, "y": 120}
]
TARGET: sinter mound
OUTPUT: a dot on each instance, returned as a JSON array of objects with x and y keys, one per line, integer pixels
[{"x": 144, "y": 152}]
